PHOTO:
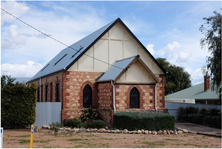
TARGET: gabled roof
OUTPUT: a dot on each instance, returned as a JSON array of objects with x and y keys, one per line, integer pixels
[
  {"x": 67, "y": 57},
  {"x": 119, "y": 67},
  {"x": 194, "y": 92}
]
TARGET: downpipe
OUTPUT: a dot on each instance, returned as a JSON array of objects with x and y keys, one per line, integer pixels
[
  {"x": 155, "y": 98},
  {"x": 114, "y": 107}
]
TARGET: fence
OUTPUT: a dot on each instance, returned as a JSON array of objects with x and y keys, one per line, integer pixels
[
  {"x": 47, "y": 112},
  {"x": 173, "y": 106}
]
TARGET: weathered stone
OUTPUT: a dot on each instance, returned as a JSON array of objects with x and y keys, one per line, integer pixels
[
  {"x": 112, "y": 131},
  {"x": 116, "y": 131},
  {"x": 171, "y": 132},
  {"x": 175, "y": 132},
  {"x": 159, "y": 132},
  {"x": 142, "y": 131},
  {"x": 150, "y": 132},
  {"x": 125, "y": 131},
  {"x": 107, "y": 127},
  {"x": 88, "y": 130},
  {"x": 146, "y": 132},
  {"x": 185, "y": 131},
  {"x": 180, "y": 132},
  {"x": 154, "y": 132},
  {"x": 103, "y": 130},
  {"x": 165, "y": 132},
  {"x": 139, "y": 132}
]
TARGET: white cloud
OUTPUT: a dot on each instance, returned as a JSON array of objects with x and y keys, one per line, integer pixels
[
  {"x": 183, "y": 57},
  {"x": 171, "y": 49},
  {"x": 12, "y": 39},
  {"x": 17, "y": 9},
  {"x": 149, "y": 47},
  {"x": 21, "y": 70}
]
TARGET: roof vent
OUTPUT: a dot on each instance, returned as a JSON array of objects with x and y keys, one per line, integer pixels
[
  {"x": 77, "y": 51},
  {"x": 45, "y": 67},
  {"x": 60, "y": 59}
]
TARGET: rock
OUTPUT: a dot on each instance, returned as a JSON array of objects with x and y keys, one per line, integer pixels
[
  {"x": 130, "y": 132},
  {"x": 159, "y": 132},
  {"x": 175, "y": 132},
  {"x": 171, "y": 132},
  {"x": 95, "y": 130},
  {"x": 150, "y": 132},
  {"x": 88, "y": 130},
  {"x": 185, "y": 131},
  {"x": 180, "y": 132},
  {"x": 142, "y": 131},
  {"x": 103, "y": 130},
  {"x": 107, "y": 127},
  {"x": 139, "y": 132},
  {"x": 146, "y": 132},
  {"x": 116, "y": 131},
  {"x": 125, "y": 131},
  {"x": 154, "y": 132},
  {"x": 165, "y": 132},
  {"x": 112, "y": 131},
  {"x": 108, "y": 131}
]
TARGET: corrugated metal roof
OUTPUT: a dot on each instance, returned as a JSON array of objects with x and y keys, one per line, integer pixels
[
  {"x": 194, "y": 92},
  {"x": 22, "y": 79},
  {"x": 67, "y": 57},
  {"x": 115, "y": 69}
]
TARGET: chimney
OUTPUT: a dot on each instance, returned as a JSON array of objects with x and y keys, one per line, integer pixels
[{"x": 206, "y": 83}]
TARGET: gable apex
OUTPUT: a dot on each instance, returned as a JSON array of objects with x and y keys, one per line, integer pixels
[{"x": 68, "y": 56}]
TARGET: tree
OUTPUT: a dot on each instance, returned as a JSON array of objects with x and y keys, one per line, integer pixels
[
  {"x": 176, "y": 78},
  {"x": 212, "y": 32},
  {"x": 7, "y": 81}
]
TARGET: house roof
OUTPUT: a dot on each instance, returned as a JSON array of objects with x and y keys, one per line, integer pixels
[
  {"x": 21, "y": 79},
  {"x": 119, "y": 67},
  {"x": 67, "y": 57},
  {"x": 195, "y": 92}
]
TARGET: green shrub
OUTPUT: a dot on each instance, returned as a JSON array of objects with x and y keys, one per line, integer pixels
[
  {"x": 71, "y": 122},
  {"x": 207, "y": 121},
  {"x": 191, "y": 110},
  {"x": 55, "y": 127},
  {"x": 195, "y": 118},
  {"x": 18, "y": 105},
  {"x": 149, "y": 121},
  {"x": 96, "y": 124},
  {"x": 216, "y": 120},
  {"x": 84, "y": 125},
  {"x": 214, "y": 112},
  {"x": 203, "y": 111},
  {"x": 89, "y": 115}
]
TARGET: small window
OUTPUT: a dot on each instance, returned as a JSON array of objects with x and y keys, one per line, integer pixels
[
  {"x": 134, "y": 98},
  {"x": 57, "y": 92},
  {"x": 46, "y": 93},
  {"x": 87, "y": 96}
]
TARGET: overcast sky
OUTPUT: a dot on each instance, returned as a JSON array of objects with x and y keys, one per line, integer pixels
[{"x": 168, "y": 29}]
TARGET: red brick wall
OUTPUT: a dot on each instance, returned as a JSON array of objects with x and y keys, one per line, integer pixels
[
  {"x": 53, "y": 80},
  {"x": 73, "y": 84}
]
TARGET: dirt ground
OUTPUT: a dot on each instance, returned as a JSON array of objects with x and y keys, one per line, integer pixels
[{"x": 20, "y": 138}]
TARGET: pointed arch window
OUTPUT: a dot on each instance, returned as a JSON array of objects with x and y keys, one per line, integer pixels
[
  {"x": 134, "y": 98},
  {"x": 87, "y": 96}
]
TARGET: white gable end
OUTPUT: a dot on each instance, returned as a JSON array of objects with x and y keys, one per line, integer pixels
[
  {"x": 136, "y": 73},
  {"x": 116, "y": 44}
]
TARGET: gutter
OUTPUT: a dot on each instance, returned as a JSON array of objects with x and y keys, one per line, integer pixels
[
  {"x": 114, "y": 107},
  {"x": 155, "y": 98}
]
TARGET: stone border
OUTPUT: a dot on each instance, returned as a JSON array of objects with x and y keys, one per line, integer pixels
[{"x": 125, "y": 131}]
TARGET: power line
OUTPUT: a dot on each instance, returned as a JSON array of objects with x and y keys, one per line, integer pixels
[{"x": 56, "y": 39}]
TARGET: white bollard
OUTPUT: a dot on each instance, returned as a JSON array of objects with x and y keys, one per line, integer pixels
[{"x": 1, "y": 139}]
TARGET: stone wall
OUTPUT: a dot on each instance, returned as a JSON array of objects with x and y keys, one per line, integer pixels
[
  {"x": 73, "y": 85},
  {"x": 105, "y": 102},
  {"x": 160, "y": 93}
]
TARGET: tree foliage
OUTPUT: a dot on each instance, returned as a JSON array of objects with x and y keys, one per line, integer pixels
[
  {"x": 176, "y": 77},
  {"x": 7, "y": 81},
  {"x": 18, "y": 103},
  {"x": 212, "y": 32}
]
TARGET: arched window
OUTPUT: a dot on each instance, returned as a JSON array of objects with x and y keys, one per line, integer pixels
[
  {"x": 134, "y": 98},
  {"x": 87, "y": 96}
]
